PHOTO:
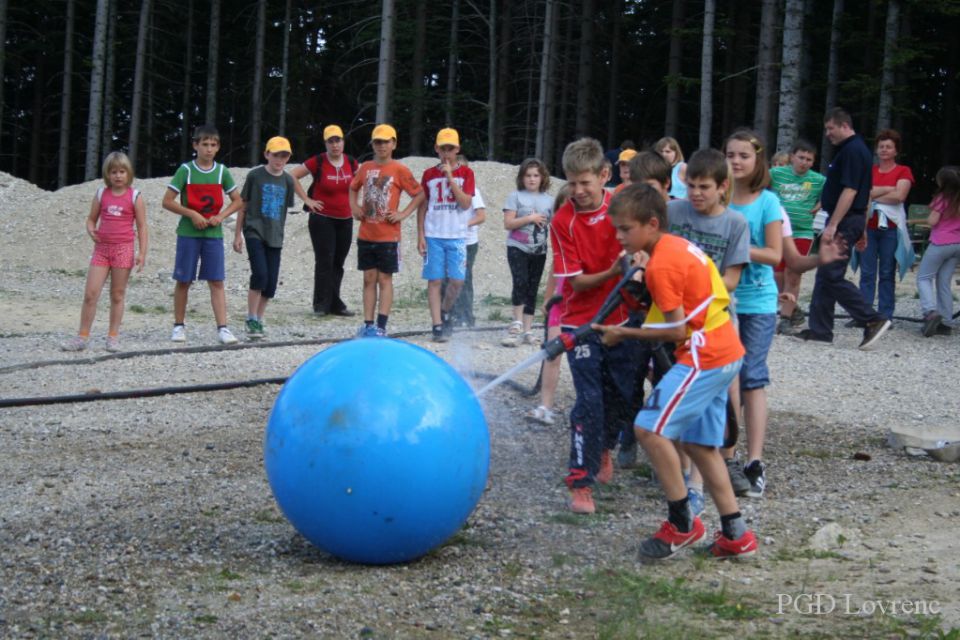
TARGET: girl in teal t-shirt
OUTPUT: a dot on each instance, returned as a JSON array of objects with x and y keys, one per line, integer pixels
[{"x": 757, "y": 292}]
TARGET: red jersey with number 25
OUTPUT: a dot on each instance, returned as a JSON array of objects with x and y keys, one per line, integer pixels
[{"x": 584, "y": 242}]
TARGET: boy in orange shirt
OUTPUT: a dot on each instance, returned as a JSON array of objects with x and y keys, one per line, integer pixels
[
  {"x": 689, "y": 403},
  {"x": 378, "y": 240}
]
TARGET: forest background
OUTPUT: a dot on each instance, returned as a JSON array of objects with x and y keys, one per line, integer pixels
[{"x": 518, "y": 78}]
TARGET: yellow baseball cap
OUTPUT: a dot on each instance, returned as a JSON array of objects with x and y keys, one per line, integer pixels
[
  {"x": 448, "y": 136},
  {"x": 626, "y": 155},
  {"x": 383, "y": 132},
  {"x": 332, "y": 131},
  {"x": 277, "y": 144}
]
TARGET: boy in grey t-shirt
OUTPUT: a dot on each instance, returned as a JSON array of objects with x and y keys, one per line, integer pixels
[
  {"x": 723, "y": 236},
  {"x": 267, "y": 194}
]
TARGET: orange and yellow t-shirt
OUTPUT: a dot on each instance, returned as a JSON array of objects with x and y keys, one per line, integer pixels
[
  {"x": 680, "y": 275},
  {"x": 382, "y": 185}
]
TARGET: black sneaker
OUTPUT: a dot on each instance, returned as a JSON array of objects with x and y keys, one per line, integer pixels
[
  {"x": 438, "y": 334},
  {"x": 930, "y": 323},
  {"x": 873, "y": 333},
  {"x": 944, "y": 330},
  {"x": 810, "y": 336},
  {"x": 738, "y": 480},
  {"x": 755, "y": 473}
]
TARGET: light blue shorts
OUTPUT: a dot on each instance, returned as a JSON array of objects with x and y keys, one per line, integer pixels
[
  {"x": 446, "y": 258},
  {"x": 689, "y": 405}
]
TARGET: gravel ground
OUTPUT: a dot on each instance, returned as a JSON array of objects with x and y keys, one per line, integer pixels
[{"x": 153, "y": 517}]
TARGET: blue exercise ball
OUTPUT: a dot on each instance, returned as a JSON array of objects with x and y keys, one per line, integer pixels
[{"x": 376, "y": 450}]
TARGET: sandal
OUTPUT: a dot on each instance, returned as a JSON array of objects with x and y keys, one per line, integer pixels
[{"x": 542, "y": 415}]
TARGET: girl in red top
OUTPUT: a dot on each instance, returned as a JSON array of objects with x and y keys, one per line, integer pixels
[
  {"x": 331, "y": 228},
  {"x": 113, "y": 212}
]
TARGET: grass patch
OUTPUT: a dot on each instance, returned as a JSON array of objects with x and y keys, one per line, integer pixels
[
  {"x": 226, "y": 575},
  {"x": 137, "y": 308},
  {"x": 73, "y": 273},
  {"x": 159, "y": 308},
  {"x": 206, "y": 619},
  {"x": 641, "y": 606},
  {"x": 90, "y": 616},
  {"x": 497, "y": 315},
  {"x": 788, "y": 555},
  {"x": 267, "y": 516},
  {"x": 492, "y": 300},
  {"x": 416, "y": 299}
]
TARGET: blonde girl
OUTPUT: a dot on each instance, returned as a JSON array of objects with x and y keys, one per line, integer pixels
[
  {"x": 756, "y": 293},
  {"x": 114, "y": 211},
  {"x": 670, "y": 150}
]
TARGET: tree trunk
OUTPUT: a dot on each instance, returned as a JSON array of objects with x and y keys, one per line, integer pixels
[
  {"x": 95, "y": 111},
  {"x": 503, "y": 74},
  {"x": 285, "y": 72},
  {"x": 138, "y": 78},
  {"x": 491, "y": 79},
  {"x": 38, "y": 128},
  {"x": 256, "y": 99},
  {"x": 568, "y": 70},
  {"x": 950, "y": 95},
  {"x": 106, "y": 138},
  {"x": 826, "y": 149},
  {"x": 885, "y": 104},
  {"x": 452, "y": 57},
  {"x": 419, "y": 54},
  {"x": 706, "y": 73},
  {"x": 585, "y": 71},
  {"x": 766, "y": 74},
  {"x": 613, "y": 99},
  {"x": 550, "y": 128},
  {"x": 63, "y": 153},
  {"x": 790, "y": 74},
  {"x": 385, "y": 69},
  {"x": 147, "y": 166},
  {"x": 186, "y": 105},
  {"x": 3, "y": 50},
  {"x": 674, "y": 70},
  {"x": 213, "y": 58},
  {"x": 543, "y": 103}
]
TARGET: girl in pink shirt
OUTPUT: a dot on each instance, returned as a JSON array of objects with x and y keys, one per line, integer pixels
[
  {"x": 113, "y": 212},
  {"x": 941, "y": 255}
]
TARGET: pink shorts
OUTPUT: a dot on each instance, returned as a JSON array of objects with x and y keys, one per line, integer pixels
[
  {"x": 803, "y": 248},
  {"x": 114, "y": 255}
]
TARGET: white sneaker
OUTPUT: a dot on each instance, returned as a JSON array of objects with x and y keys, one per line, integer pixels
[
  {"x": 226, "y": 336},
  {"x": 179, "y": 333}
]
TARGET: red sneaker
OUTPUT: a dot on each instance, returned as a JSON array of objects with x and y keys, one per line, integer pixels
[
  {"x": 666, "y": 542},
  {"x": 581, "y": 500},
  {"x": 743, "y": 547},
  {"x": 605, "y": 474}
]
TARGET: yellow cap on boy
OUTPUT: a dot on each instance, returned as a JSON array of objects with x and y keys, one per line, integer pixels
[
  {"x": 626, "y": 155},
  {"x": 383, "y": 132},
  {"x": 332, "y": 131},
  {"x": 278, "y": 144},
  {"x": 448, "y": 136}
]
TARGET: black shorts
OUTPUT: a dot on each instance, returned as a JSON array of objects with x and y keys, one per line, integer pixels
[{"x": 382, "y": 256}]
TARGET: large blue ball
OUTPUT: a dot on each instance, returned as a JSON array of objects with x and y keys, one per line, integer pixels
[{"x": 377, "y": 451}]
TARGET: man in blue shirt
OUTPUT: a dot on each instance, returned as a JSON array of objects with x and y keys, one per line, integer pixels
[{"x": 845, "y": 197}]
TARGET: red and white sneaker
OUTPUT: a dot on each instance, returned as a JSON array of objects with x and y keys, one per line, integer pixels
[
  {"x": 605, "y": 474},
  {"x": 743, "y": 547},
  {"x": 581, "y": 500},
  {"x": 666, "y": 542}
]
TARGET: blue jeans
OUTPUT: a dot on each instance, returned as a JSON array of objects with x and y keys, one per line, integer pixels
[
  {"x": 832, "y": 287},
  {"x": 934, "y": 279},
  {"x": 880, "y": 252}
]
